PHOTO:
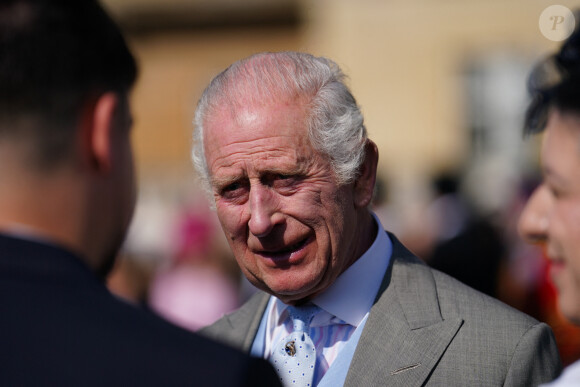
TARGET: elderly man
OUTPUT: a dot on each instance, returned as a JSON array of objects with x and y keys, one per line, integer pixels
[
  {"x": 67, "y": 193},
  {"x": 552, "y": 215},
  {"x": 281, "y": 144}
]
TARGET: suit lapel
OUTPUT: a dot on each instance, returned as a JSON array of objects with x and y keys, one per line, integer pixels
[
  {"x": 405, "y": 335},
  {"x": 253, "y": 318}
]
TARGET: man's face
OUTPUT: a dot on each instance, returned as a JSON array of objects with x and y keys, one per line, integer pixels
[
  {"x": 126, "y": 162},
  {"x": 122, "y": 185},
  {"x": 291, "y": 227},
  {"x": 552, "y": 215}
]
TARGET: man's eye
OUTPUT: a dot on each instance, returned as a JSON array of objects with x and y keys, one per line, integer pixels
[
  {"x": 233, "y": 190},
  {"x": 283, "y": 180},
  {"x": 286, "y": 184},
  {"x": 556, "y": 193},
  {"x": 231, "y": 187}
]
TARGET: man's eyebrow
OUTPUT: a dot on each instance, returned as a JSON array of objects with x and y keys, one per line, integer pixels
[
  {"x": 552, "y": 175},
  {"x": 300, "y": 167},
  {"x": 224, "y": 181},
  {"x": 295, "y": 170}
]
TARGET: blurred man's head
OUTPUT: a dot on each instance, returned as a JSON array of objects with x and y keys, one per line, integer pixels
[
  {"x": 552, "y": 215},
  {"x": 281, "y": 145},
  {"x": 56, "y": 55},
  {"x": 65, "y": 75}
]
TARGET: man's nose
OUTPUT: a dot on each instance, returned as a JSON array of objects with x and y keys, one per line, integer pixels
[
  {"x": 262, "y": 211},
  {"x": 534, "y": 221}
]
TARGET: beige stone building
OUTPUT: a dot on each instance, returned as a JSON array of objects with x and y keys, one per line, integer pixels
[{"x": 441, "y": 84}]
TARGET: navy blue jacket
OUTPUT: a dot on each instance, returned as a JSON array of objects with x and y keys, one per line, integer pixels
[{"x": 60, "y": 326}]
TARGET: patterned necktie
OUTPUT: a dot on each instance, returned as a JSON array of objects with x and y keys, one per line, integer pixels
[{"x": 294, "y": 357}]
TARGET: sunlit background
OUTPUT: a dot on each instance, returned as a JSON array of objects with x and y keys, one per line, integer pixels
[{"x": 442, "y": 88}]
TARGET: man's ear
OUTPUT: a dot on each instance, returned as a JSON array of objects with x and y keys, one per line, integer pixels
[
  {"x": 98, "y": 124},
  {"x": 365, "y": 183}
]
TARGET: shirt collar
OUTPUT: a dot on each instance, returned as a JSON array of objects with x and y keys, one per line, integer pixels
[{"x": 353, "y": 293}]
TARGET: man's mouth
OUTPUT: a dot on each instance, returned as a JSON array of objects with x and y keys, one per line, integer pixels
[
  {"x": 557, "y": 265},
  {"x": 294, "y": 247},
  {"x": 289, "y": 253}
]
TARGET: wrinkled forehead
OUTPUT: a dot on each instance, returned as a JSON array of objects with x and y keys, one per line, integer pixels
[
  {"x": 241, "y": 106},
  {"x": 255, "y": 121},
  {"x": 269, "y": 137}
]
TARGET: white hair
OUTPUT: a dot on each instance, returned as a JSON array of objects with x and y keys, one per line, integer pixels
[{"x": 335, "y": 122}]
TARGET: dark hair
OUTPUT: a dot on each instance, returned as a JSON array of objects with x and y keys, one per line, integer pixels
[
  {"x": 55, "y": 55},
  {"x": 555, "y": 83}
]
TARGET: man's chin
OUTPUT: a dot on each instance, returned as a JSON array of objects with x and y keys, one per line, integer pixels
[
  {"x": 286, "y": 286},
  {"x": 569, "y": 306},
  {"x": 108, "y": 261},
  {"x": 292, "y": 295},
  {"x": 106, "y": 266},
  {"x": 109, "y": 258}
]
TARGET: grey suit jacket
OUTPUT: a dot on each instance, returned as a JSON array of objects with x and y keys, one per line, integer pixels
[{"x": 427, "y": 329}]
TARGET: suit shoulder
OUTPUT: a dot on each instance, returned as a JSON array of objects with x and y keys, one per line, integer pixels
[
  {"x": 501, "y": 337},
  {"x": 89, "y": 327},
  {"x": 454, "y": 299},
  {"x": 458, "y": 299}
]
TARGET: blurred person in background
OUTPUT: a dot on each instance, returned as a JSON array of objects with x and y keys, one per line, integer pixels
[
  {"x": 198, "y": 283},
  {"x": 282, "y": 148},
  {"x": 67, "y": 193},
  {"x": 551, "y": 217},
  {"x": 467, "y": 245}
]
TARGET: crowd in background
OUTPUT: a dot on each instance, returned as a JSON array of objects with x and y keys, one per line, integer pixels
[{"x": 192, "y": 280}]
